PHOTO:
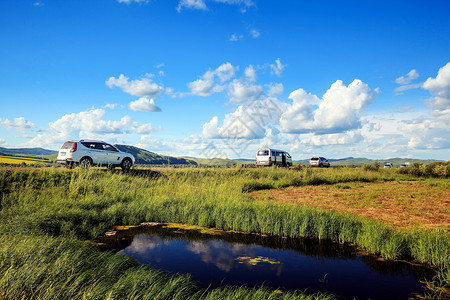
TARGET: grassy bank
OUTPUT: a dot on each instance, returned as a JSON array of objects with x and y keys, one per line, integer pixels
[{"x": 61, "y": 209}]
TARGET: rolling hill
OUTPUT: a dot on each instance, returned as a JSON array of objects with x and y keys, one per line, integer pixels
[
  {"x": 26, "y": 151},
  {"x": 145, "y": 157}
]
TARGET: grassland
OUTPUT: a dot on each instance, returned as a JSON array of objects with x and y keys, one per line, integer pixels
[
  {"x": 47, "y": 215},
  {"x": 16, "y": 160}
]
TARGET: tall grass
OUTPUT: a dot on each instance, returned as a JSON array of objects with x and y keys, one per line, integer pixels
[{"x": 62, "y": 208}]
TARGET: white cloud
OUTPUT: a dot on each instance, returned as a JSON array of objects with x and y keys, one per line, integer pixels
[
  {"x": 206, "y": 85},
  {"x": 337, "y": 111},
  {"x": 348, "y": 138},
  {"x": 19, "y": 124},
  {"x": 210, "y": 129},
  {"x": 88, "y": 124},
  {"x": 250, "y": 73},
  {"x": 203, "y": 86},
  {"x": 255, "y": 33},
  {"x": 275, "y": 89},
  {"x": 144, "y": 104},
  {"x": 406, "y": 87},
  {"x": 143, "y": 128},
  {"x": 131, "y": 1},
  {"x": 249, "y": 121},
  {"x": 225, "y": 72},
  {"x": 240, "y": 91},
  {"x": 148, "y": 143},
  {"x": 413, "y": 74},
  {"x": 111, "y": 105},
  {"x": 191, "y": 4},
  {"x": 2, "y": 142},
  {"x": 200, "y": 4},
  {"x": 141, "y": 88},
  {"x": 439, "y": 87},
  {"x": 236, "y": 37},
  {"x": 277, "y": 68}
]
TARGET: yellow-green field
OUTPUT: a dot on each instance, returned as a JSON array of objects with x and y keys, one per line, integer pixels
[{"x": 19, "y": 160}]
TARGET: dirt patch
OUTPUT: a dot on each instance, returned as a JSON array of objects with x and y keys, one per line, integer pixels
[{"x": 400, "y": 204}]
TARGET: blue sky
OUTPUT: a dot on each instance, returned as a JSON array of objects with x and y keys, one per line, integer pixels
[{"x": 224, "y": 77}]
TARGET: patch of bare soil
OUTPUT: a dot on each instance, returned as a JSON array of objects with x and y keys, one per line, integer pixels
[{"x": 400, "y": 204}]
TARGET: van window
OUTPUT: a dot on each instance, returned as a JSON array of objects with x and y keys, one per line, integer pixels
[{"x": 263, "y": 153}]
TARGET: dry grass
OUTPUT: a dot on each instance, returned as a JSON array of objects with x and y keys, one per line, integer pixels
[{"x": 399, "y": 204}]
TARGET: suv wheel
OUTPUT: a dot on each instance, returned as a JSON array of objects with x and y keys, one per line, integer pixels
[
  {"x": 126, "y": 164},
  {"x": 85, "y": 162}
]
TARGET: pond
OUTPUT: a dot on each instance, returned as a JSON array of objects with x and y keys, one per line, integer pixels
[{"x": 217, "y": 258}]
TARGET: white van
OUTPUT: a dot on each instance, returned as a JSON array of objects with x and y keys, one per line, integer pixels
[{"x": 269, "y": 157}]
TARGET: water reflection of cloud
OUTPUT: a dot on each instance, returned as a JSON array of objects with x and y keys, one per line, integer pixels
[
  {"x": 212, "y": 253},
  {"x": 142, "y": 243}
]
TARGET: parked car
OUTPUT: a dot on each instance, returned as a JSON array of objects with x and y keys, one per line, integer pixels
[
  {"x": 388, "y": 165},
  {"x": 318, "y": 161},
  {"x": 87, "y": 153},
  {"x": 269, "y": 157}
]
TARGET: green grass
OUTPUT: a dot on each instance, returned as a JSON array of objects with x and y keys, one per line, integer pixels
[{"x": 60, "y": 209}]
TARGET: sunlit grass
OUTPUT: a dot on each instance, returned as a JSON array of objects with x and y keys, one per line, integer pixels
[{"x": 64, "y": 208}]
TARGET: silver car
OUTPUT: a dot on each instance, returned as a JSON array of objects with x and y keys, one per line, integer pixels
[
  {"x": 318, "y": 161},
  {"x": 90, "y": 152}
]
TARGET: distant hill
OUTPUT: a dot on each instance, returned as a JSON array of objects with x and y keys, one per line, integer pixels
[
  {"x": 144, "y": 157},
  {"x": 213, "y": 161},
  {"x": 395, "y": 161},
  {"x": 26, "y": 151}
]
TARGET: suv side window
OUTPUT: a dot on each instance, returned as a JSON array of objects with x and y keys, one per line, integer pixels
[
  {"x": 108, "y": 147},
  {"x": 96, "y": 146}
]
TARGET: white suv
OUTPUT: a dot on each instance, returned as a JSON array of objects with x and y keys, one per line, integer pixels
[
  {"x": 89, "y": 152},
  {"x": 320, "y": 162}
]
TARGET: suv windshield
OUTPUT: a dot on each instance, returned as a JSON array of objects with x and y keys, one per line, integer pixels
[
  {"x": 314, "y": 158},
  {"x": 263, "y": 153}
]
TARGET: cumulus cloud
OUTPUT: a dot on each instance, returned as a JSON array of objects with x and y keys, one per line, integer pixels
[
  {"x": 148, "y": 143},
  {"x": 250, "y": 73},
  {"x": 210, "y": 129},
  {"x": 413, "y": 74},
  {"x": 19, "y": 124},
  {"x": 144, "y": 104},
  {"x": 88, "y": 124},
  {"x": 277, "y": 68},
  {"x": 206, "y": 85},
  {"x": 275, "y": 89},
  {"x": 338, "y": 110},
  {"x": 439, "y": 87},
  {"x": 249, "y": 121},
  {"x": 2, "y": 142},
  {"x": 141, "y": 88},
  {"x": 240, "y": 91},
  {"x": 348, "y": 138}
]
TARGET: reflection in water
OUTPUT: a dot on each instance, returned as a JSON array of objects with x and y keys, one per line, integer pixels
[{"x": 252, "y": 260}]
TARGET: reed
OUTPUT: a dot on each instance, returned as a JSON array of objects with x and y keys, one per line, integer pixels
[{"x": 60, "y": 209}]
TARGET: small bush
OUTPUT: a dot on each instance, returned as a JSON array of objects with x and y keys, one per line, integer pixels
[{"x": 375, "y": 166}]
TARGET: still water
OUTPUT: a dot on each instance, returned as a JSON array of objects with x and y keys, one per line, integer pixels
[{"x": 219, "y": 258}]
